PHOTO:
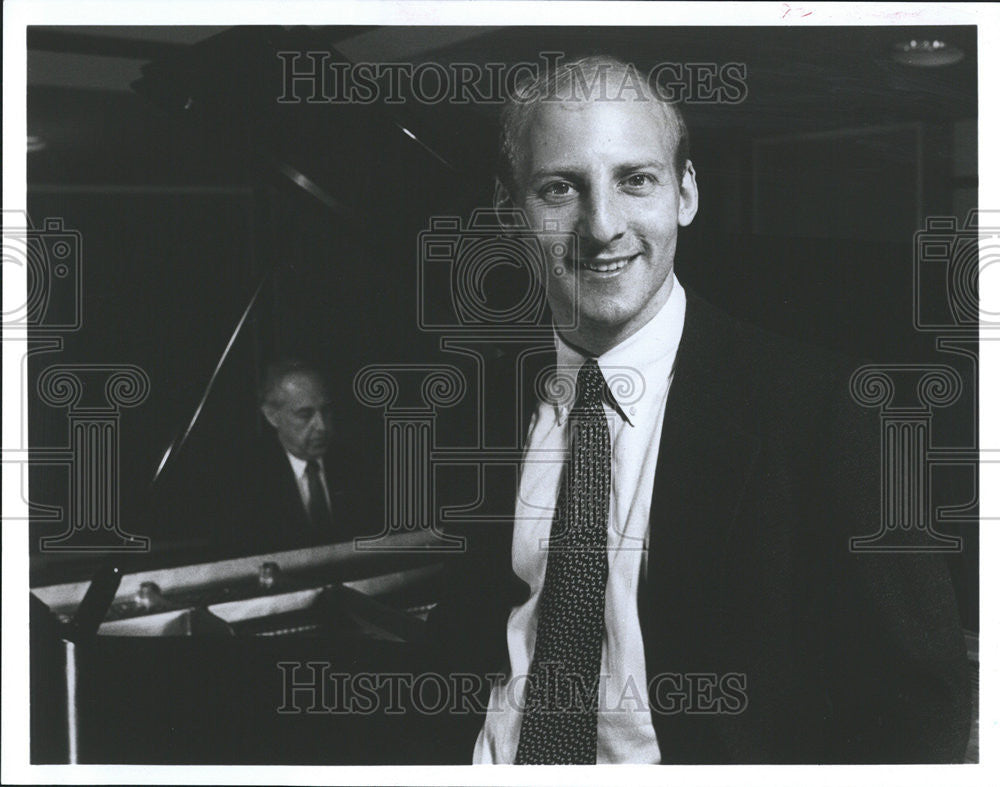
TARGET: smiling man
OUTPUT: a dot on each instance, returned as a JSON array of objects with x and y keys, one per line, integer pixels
[
  {"x": 678, "y": 586},
  {"x": 606, "y": 171}
]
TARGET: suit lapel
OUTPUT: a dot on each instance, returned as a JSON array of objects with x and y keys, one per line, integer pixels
[{"x": 707, "y": 448}]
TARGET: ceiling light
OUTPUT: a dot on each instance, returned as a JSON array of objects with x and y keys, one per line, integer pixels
[{"x": 926, "y": 53}]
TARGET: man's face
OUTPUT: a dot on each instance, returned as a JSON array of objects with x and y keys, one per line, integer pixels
[
  {"x": 302, "y": 413},
  {"x": 604, "y": 170}
]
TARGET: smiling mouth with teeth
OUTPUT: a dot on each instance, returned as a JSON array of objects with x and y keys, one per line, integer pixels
[{"x": 607, "y": 267}]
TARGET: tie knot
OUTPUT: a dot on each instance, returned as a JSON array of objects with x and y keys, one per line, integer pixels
[
  {"x": 589, "y": 385},
  {"x": 312, "y": 467}
]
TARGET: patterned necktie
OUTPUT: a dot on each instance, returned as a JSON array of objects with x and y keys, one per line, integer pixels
[
  {"x": 319, "y": 511},
  {"x": 559, "y": 725}
]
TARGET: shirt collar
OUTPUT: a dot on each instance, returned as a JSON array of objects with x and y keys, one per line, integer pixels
[
  {"x": 299, "y": 465},
  {"x": 635, "y": 370}
]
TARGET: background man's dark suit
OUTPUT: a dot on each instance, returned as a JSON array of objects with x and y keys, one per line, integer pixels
[
  {"x": 270, "y": 510},
  {"x": 766, "y": 468}
]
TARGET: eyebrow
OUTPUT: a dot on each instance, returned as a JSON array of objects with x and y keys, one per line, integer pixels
[{"x": 632, "y": 167}]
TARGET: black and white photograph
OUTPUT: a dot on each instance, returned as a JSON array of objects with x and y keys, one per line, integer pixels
[{"x": 553, "y": 384}]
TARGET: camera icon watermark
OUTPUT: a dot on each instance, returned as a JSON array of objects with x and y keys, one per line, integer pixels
[
  {"x": 951, "y": 259},
  {"x": 493, "y": 271},
  {"x": 46, "y": 263},
  {"x": 949, "y": 262}
]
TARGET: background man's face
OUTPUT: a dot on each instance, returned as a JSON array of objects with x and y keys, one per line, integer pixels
[
  {"x": 604, "y": 170},
  {"x": 303, "y": 415}
]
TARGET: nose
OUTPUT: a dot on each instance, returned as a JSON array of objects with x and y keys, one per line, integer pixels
[
  {"x": 318, "y": 423},
  {"x": 602, "y": 220}
]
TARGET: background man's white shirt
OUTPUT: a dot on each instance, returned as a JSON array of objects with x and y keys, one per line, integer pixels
[{"x": 302, "y": 480}]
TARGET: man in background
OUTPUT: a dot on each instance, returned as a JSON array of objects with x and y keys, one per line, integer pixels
[{"x": 297, "y": 491}]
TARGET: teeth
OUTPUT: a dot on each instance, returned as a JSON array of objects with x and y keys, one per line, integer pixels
[{"x": 613, "y": 266}]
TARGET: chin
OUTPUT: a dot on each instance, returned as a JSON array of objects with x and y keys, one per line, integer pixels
[{"x": 605, "y": 320}]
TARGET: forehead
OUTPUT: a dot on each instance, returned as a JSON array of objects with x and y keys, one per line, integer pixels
[
  {"x": 303, "y": 390},
  {"x": 579, "y": 134}
]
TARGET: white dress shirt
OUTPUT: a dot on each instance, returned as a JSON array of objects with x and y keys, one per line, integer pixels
[
  {"x": 638, "y": 372},
  {"x": 299, "y": 469}
]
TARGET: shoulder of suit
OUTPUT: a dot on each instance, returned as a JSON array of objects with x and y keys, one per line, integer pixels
[{"x": 781, "y": 371}]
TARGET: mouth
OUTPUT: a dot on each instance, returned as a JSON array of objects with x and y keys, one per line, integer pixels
[{"x": 607, "y": 266}]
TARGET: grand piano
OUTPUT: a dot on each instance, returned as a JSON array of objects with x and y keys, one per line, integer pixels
[{"x": 237, "y": 661}]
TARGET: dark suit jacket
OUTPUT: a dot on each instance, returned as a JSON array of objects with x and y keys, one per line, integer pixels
[
  {"x": 766, "y": 468},
  {"x": 272, "y": 515}
]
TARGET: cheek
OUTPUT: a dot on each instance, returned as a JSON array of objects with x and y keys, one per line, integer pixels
[
  {"x": 656, "y": 226},
  {"x": 533, "y": 213},
  {"x": 561, "y": 217}
]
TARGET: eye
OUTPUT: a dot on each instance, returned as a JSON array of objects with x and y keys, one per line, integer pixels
[
  {"x": 559, "y": 188},
  {"x": 639, "y": 181}
]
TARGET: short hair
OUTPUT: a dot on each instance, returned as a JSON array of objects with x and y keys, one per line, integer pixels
[
  {"x": 276, "y": 373},
  {"x": 532, "y": 91}
]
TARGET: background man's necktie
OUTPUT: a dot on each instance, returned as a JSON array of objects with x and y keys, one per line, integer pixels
[
  {"x": 319, "y": 510},
  {"x": 559, "y": 725}
]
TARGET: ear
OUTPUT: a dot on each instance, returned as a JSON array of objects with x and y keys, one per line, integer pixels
[
  {"x": 688, "y": 205},
  {"x": 270, "y": 413},
  {"x": 502, "y": 200},
  {"x": 503, "y": 207}
]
